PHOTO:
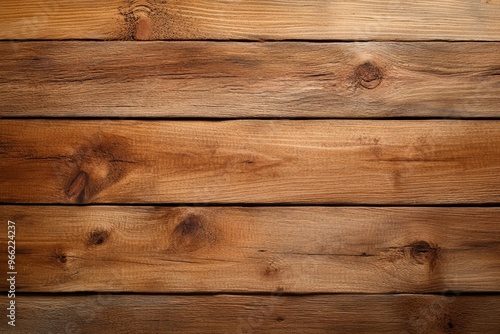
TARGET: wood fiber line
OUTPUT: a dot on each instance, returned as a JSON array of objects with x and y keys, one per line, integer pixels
[
  {"x": 205, "y": 79},
  {"x": 320, "y": 162},
  {"x": 251, "y": 20},
  {"x": 258, "y": 249},
  {"x": 399, "y": 314}
]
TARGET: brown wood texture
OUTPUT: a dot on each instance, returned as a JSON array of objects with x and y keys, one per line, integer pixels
[
  {"x": 329, "y": 162},
  {"x": 228, "y": 314},
  {"x": 253, "y": 20},
  {"x": 255, "y": 249},
  {"x": 205, "y": 79},
  {"x": 188, "y": 219}
]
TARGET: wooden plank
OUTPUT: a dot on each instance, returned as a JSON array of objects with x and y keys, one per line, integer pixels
[
  {"x": 322, "y": 162},
  {"x": 252, "y": 20},
  {"x": 257, "y": 249},
  {"x": 219, "y": 314},
  {"x": 203, "y": 79}
]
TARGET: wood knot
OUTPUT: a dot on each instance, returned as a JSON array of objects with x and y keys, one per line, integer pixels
[
  {"x": 271, "y": 270},
  {"x": 192, "y": 233},
  {"x": 192, "y": 225},
  {"x": 59, "y": 257},
  {"x": 96, "y": 166},
  {"x": 368, "y": 76},
  {"x": 97, "y": 237},
  {"x": 422, "y": 252},
  {"x": 77, "y": 187},
  {"x": 143, "y": 27},
  {"x": 140, "y": 18}
]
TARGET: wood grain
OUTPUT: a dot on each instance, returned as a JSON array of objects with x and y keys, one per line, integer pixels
[
  {"x": 204, "y": 79},
  {"x": 251, "y": 20},
  {"x": 256, "y": 249},
  {"x": 229, "y": 314},
  {"x": 329, "y": 162}
]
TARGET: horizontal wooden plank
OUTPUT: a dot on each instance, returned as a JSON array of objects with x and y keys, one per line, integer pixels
[
  {"x": 256, "y": 249},
  {"x": 203, "y": 79},
  {"x": 322, "y": 162},
  {"x": 399, "y": 314},
  {"x": 253, "y": 19}
]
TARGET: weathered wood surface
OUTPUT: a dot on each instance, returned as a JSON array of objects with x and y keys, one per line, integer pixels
[
  {"x": 348, "y": 162},
  {"x": 229, "y": 314},
  {"x": 255, "y": 249},
  {"x": 308, "y": 253},
  {"x": 253, "y": 20},
  {"x": 203, "y": 79}
]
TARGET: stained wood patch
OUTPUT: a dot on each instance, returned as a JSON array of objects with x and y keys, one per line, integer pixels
[
  {"x": 329, "y": 162},
  {"x": 255, "y": 249},
  {"x": 200, "y": 79},
  {"x": 251, "y": 20}
]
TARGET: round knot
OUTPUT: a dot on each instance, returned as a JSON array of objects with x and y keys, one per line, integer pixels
[
  {"x": 422, "y": 252},
  {"x": 97, "y": 237},
  {"x": 368, "y": 75},
  {"x": 193, "y": 233}
]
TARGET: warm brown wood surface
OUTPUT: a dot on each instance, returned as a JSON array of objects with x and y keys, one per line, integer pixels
[
  {"x": 253, "y": 19},
  {"x": 368, "y": 162},
  {"x": 399, "y": 229},
  {"x": 255, "y": 249},
  {"x": 228, "y": 314},
  {"x": 204, "y": 79}
]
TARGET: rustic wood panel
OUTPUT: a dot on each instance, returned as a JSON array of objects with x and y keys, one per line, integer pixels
[
  {"x": 203, "y": 79},
  {"x": 257, "y": 249},
  {"x": 401, "y": 314},
  {"x": 253, "y": 20},
  {"x": 369, "y": 162}
]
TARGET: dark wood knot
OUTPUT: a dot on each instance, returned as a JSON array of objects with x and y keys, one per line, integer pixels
[
  {"x": 192, "y": 233},
  {"x": 96, "y": 165},
  {"x": 60, "y": 257},
  {"x": 368, "y": 75},
  {"x": 78, "y": 188},
  {"x": 97, "y": 237},
  {"x": 422, "y": 252},
  {"x": 192, "y": 225}
]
